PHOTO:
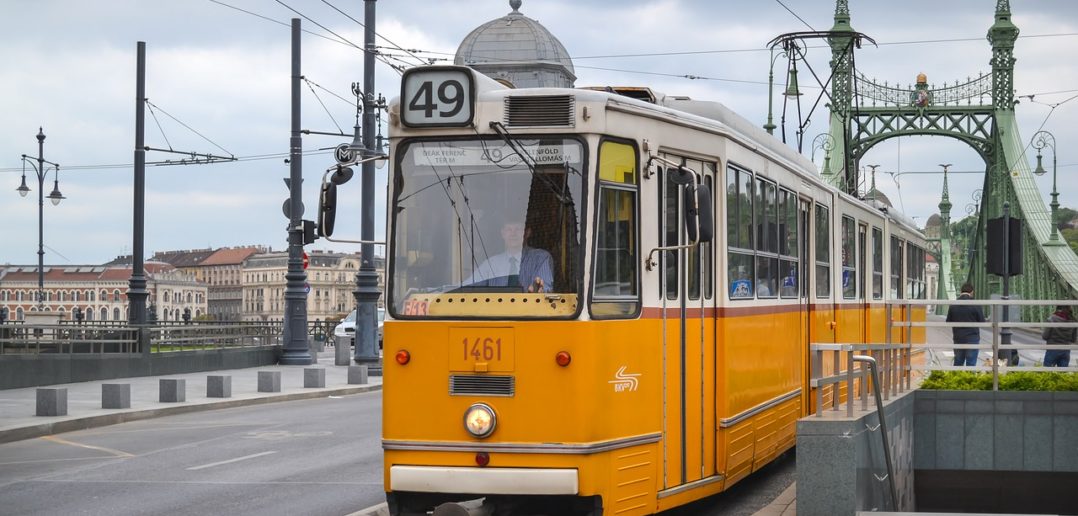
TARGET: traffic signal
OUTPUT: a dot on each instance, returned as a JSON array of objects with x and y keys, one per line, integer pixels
[{"x": 309, "y": 233}]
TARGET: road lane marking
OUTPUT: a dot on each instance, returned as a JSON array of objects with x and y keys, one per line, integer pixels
[
  {"x": 229, "y": 461},
  {"x": 110, "y": 451}
]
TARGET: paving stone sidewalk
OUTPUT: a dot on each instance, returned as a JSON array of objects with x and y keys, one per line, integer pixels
[{"x": 18, "y": 407}]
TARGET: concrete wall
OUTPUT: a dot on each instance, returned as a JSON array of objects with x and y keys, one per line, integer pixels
[
  {"x": 33, "y": 370},
  {"x": 953, "y": 451},
  {"x": 997, "y": 431},
  {"x": 840, "y": 460}
]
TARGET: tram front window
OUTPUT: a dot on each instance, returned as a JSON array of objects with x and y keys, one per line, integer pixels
[{"x": 485, "y": 217}]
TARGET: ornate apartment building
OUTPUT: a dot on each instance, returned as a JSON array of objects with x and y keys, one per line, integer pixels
[
  {"x": 331, "y": 277},
  {"x": 99, "y": 292},
  {"x": 221, "y": 270}
]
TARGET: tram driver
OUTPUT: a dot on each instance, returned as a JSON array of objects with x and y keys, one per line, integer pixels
[{"x": 519, "y": 265}]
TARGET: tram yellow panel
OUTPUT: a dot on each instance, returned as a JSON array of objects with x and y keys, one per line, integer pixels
[{"x": 610, "y": 390}]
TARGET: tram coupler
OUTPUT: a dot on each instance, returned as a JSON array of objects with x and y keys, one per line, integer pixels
[{"x": 468, "y": 508}]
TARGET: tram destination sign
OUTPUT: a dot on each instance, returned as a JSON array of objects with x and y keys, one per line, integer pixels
[
  {"x": 492, "y": 154},
  {"x": 437, "y": 96}
]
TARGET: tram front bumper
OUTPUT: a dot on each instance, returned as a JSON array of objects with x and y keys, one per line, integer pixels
[{"x": 508, "y": 481}]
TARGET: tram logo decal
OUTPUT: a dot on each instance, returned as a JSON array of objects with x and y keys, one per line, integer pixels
[{"x": 625, "y": 381}]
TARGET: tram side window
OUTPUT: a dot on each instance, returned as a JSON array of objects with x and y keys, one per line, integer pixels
[
  {"x": 693, "y": 254},
  {"x": 849, "y": 259},
  {"x": 921, "y": 279},
  {"x": 616, "y": 292},
  {"x": 896, "y": 268},
  {"x": 877, "y": 263},
  {"x": 706, "y": 249},
  {"x": 823, "y": 252},
  {"x": 788, "y": 248},
  {"x": 915, "y": 267},
  {"x": 670, "y": 226},
  {"x": 739, "y": 201},
  {"x": 767, "y": 245}
]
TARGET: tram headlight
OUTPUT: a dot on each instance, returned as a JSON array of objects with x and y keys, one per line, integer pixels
[{"x": 480, "y": 420}]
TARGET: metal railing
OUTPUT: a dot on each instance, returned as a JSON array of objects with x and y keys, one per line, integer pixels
[
  {"x": 24, "y": 339},
  {"x": 896, "y": 358},
  {"x": 212, "y": 336},
  {"x": 883, "y": 426},
  {"x": 119, "y": 337},
  {"x": 999, "y": 329}
]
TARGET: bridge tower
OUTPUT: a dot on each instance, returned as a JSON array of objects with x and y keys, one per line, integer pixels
[{"x": 978, "y": 112}]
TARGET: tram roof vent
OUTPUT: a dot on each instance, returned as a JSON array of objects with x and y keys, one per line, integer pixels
[{"x": 540, "y": 111}]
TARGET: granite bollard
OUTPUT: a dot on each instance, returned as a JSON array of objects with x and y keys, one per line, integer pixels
[
  {"x": 343, "y": 350},
  {"x": 173, "y": 390},
  {"x": 269, "y": 381},
  {"x": 314, "y": 377},
  {"x": 357, "y": 375},
  {"x": 52, "y": 401},
  {"x": 218, "y": 386},
  {"x": 115, "y": 395}
]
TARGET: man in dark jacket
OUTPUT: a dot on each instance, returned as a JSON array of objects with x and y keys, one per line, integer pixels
[
  {"x": 964, "y": 334},
  {"x": 1060, "y": 357}
]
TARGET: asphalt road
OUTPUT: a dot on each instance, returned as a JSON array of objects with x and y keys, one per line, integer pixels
[{"x": 318, "y": 457}]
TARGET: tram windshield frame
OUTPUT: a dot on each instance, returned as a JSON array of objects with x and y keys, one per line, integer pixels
[{"x": 487, "y": 227}]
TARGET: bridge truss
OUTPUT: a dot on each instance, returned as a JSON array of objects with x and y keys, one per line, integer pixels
[{"x": 979, "y": 112}]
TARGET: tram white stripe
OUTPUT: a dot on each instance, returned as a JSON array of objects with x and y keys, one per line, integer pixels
[{"x": 229, "y": 461}]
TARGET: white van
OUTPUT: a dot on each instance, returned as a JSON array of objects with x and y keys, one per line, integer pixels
[{"x": 347, "y": 327}]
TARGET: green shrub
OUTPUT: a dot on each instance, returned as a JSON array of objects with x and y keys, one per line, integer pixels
[{"x": 1015, "y": 381}]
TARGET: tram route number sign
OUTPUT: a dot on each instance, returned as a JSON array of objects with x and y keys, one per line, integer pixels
[{"x": 437, "y": 96}]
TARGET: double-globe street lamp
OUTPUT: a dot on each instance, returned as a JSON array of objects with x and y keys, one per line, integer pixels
[
  {"x": 55, "y": 197},
  {"x": 1042, "y": 139}
]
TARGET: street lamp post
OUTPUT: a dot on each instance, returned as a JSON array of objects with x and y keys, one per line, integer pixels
[
  {"x": 1042, "y": 139},
  {"x": 55, "y": 197}
]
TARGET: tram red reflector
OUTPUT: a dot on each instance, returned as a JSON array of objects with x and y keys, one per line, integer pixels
[
  {"x": 482, "y": 458},
  {"x": 403, "y": 357},
  {"x": 563, "y": 358}
]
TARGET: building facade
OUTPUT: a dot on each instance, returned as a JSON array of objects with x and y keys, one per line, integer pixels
[
  {"x": 331, "y": 278},
  {"x": 99, "y": 293},
  {"x": 221, "y": 270}
]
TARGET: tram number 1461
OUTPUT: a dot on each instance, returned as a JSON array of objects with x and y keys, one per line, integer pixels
[{"x": 483, "y": 349}]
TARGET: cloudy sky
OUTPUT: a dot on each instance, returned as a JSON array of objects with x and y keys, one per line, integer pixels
[{"x": 69, "y": 67}]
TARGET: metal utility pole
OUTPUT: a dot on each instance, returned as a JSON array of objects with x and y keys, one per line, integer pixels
[
  {"x": 366, "y": 291},
  {"x": 1005, "y": 332},
  {"x": 136, "y": 286},
  {"x": 295, "y": 350}
]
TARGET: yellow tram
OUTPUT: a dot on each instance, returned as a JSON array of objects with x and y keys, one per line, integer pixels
[{"x": 601, "y": 304}]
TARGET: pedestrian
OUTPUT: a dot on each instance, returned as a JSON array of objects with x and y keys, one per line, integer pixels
[
  {"x": 965, "y": 334},
  {"x": 1059, "y": 335}
]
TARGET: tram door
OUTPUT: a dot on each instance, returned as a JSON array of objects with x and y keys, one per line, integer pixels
[
  {"x": 804, "y": 267},
  {"x": 688, "y": 327},
  {"x": 862, "y": 284}
]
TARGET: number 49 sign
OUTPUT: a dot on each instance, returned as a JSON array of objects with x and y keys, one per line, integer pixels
[{"x": 437, "y": 96}]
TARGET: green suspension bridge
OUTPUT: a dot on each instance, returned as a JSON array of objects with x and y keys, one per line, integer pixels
[{"x": 978, "y": 112}]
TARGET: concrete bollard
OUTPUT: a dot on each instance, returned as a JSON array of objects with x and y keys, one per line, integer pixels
[
  {"x": 357, "y": 375},
  {"x": 116, "y": 395},
  {"x": 314, "y": 378},
  {"x": 269, "y": 381},
  {"x": 52, "y": 401},
  {"x": 343, "y": 350},
  {"x": 173, "y": 390},
  {"x": 218, "y": 386}
]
